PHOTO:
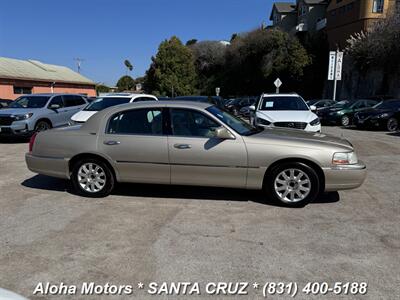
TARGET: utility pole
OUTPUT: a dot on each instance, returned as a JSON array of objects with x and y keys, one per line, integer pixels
[
  {"x": 79, "y": 63},
  {"x": 335, "y": 81}
]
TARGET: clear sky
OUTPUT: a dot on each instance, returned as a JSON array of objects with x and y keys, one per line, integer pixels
[{"x": 106, "y": 32}]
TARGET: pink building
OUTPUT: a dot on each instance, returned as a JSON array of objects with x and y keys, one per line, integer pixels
[{"x": 18, "y": 77}]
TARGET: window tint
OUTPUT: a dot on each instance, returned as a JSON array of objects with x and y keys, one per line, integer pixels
[
  {"x": 187, "y": 122},
  {"x": 57, "y": 100},
  {"x": 146, "y": 121},
  {"x": 103, "y": 103},
  {"x": 73, "y": 100}
]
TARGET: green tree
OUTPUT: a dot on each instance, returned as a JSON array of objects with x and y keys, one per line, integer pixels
[
  {"x": 101, "y": 88},
  {"x": 125, "y": 83},
  {"x": 172, "y": 71},
  {"x": 191, "y": 42},
  {"x": 254, "y": 60}
]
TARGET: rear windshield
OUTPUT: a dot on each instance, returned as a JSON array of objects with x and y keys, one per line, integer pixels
[
  {"x": 103, "y": 103},
  {"x": 30, "y": 102},
  {"x": 394, "y": 104},
  {"x": 283, "y": 103}
]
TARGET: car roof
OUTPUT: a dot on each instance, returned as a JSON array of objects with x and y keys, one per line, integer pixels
[
  {"x": 125, "y": 95},
  {"x": 51, "y": 94},
  {"x": 280, "y": 95}
]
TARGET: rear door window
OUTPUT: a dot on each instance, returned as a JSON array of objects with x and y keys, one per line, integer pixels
[{"x": 147, "y": 121}]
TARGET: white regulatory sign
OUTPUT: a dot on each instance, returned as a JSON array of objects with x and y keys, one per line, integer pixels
[
  {"x": 339, "y": 63},
  {"x": 332, "y": 62}
]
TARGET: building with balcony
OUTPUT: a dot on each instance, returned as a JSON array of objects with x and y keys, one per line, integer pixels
[
  {"x": 311, "y": 15},
  {"x": 347, "y": 17},
  {"x": 284, "y": 16}
]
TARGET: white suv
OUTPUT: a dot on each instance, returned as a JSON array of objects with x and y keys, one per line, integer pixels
[
  {"x": 284, "y": 110},
  {"x": 106, "y": 101}
]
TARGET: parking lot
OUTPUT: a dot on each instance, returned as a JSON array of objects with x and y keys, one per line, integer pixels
[{"x": 145, "y": 233}]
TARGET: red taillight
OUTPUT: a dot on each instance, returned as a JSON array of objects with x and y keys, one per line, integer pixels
[{"x": 32, "y": 141}]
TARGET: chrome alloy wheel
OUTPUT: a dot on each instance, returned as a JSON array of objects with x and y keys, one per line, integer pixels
[
  {"x": 91, "y": 177},
  {"x": 292, "y": 185}
]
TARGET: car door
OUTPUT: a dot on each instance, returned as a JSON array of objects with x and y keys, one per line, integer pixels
[
  {"x": 135, "y": 141},
  {"x": 57, "y": 116},
  {"x": 73, "y": 104},
  {"x": 199, "y": 158}
]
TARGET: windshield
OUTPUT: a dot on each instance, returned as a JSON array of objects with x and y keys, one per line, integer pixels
[
  {"x": 283, "y": 103},
  {"x": 388, "y": 104},
  {"x": 342, "y": 104},
  {"x": 103, "y": 103},
  {"x": 237, "y": 124},
  {"x": 29, "y": 102}
]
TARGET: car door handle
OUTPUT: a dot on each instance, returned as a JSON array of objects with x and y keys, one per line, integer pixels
[
  {"x": 111, "y": 143},
  {"x": 182, "y": 146}
]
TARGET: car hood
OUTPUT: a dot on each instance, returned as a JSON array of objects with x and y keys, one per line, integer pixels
[
  {"x": 83, "y": 115},
  {"x": 287, "y": 116},
  {"x": 296, "y": 136},
  {"x": 17, "y": 111}
]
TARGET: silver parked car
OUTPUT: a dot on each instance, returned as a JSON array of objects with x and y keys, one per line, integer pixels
[
  {"x": 39, "y": 112},
  {"x": 189, "y": 143}
]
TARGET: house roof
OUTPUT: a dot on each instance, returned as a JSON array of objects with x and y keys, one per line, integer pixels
[
  {"x": 283, "y": 8},
  {"x": 36, "y": 70}
]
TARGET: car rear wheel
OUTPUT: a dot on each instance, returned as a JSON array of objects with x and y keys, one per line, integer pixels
[
  {"x": 392, "y": 125},
  {"x": 92, "y": 178},
  {"x": 293, "y": 184},
  {"x": 345, "y": 120},
  {"x": 42, "y": 125}
]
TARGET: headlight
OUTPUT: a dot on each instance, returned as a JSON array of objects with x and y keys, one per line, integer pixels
[
  {"x": 263, "y": 122},
  {"x": 345, "y": 158},
  {"x": 315, "y": 122},
  {"x": 384, "y": 115},
  {"x": 22, "y": 117}
]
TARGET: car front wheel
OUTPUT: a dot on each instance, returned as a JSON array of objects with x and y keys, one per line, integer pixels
[
  {"x": 92, "y": 178},
  {"x": 42, "y": 126},
  {"x": 345, "y": 120},
  {"x": 392, "y": 125},
  {"x": 293, "y": 184}
]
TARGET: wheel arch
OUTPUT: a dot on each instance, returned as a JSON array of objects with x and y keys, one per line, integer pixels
[
  {"x": 99, "y": 157},
  {"x": 317, "y": 168},
  {"x": 44, "y": 119}
]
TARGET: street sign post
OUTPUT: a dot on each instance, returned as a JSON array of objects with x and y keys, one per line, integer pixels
[
  {"x": 278, "y": 84},
  {"x": 335, "y": 69},
  {"x": 217, "y": 91}
]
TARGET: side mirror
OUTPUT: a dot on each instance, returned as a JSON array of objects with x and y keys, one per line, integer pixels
[
  {"x": 313, "y": 108},
  {"x": 223, "y": 133},
  {"x": 54, "y": 106},
  {"x": 252, "y": 108}
]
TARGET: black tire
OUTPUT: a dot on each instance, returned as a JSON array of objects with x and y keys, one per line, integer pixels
[
  {"x": 108, "y": 177},
  {"x": 345, "y": 120},
  {"x": 42, "y": 125},
  {"x": 392, "y": 125},
  {"x": 314, "y": 187}
]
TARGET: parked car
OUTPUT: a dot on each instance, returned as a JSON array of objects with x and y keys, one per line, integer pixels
[
  {"x": 343, "y": 115},
  {"x": 237, "y": 104},
  {"x": 385, "y": 115},
  {"x": 188, "y": 143},
  {"x": 107, "y": 101},
  {"x": 38, "y": 112},
  {"x": 284, "y": 110},
  {"x": 218, "y": 101},
  {"x": 321, "y": 103},
  {"x": 4, "y": 103}
]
